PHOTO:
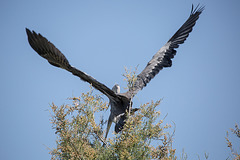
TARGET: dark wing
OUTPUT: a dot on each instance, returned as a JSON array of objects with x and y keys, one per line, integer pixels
[
  {"x": 48, "y": 51},
  {"x": 163, "y": 57}
]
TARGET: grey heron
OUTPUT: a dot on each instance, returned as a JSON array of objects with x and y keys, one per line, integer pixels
[{"x": 120, "y": 103}]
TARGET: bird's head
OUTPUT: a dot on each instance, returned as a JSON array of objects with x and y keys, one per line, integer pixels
[{"x": 116, "y": 89}]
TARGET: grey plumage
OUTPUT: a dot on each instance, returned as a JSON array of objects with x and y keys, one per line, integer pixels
[
  {"x": 163, "y": 57},
  {"x": 120, "y": 102}
]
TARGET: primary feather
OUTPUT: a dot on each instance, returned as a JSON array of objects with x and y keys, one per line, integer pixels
[{"x": 163, "y": 57}]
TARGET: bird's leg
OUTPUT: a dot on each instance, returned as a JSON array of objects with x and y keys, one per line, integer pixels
[
  {"x": 108, "y": 126},
  {"x": 102, "y": 139}
]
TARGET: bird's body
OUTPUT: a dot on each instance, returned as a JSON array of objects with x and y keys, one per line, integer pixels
[{"x": 120, "y": 102}]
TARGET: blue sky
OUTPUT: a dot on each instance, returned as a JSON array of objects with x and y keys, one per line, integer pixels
[{"x": 200, "y": 91}]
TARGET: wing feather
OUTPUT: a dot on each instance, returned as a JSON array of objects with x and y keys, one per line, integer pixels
[
  {"x": 163, "y": 57},
  {"x": 54, "y": 56}
]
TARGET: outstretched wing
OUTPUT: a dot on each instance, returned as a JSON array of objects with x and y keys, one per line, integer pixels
[
  {"x": 163, "y": 57},
  {"x": 48, "y": 51}
]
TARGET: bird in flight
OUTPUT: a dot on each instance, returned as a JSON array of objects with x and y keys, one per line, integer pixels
[{"x": 120, "y": 103}]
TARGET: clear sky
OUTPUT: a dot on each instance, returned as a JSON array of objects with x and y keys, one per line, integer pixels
[{"x": 200, "y": 91}]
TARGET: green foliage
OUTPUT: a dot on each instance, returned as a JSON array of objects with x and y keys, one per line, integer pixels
[
  {"x": 76, "y": 128},
  {"x": 81, "y": 137},
  {"x": 144, "y": 136},
  {"x": 139, "y": 131},
  {"x": 80, "y": 134}
]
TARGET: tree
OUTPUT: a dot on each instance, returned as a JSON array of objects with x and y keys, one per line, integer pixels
[
  {"x": 144, "y": 136},
  {"x": 80, "y": 134}
]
